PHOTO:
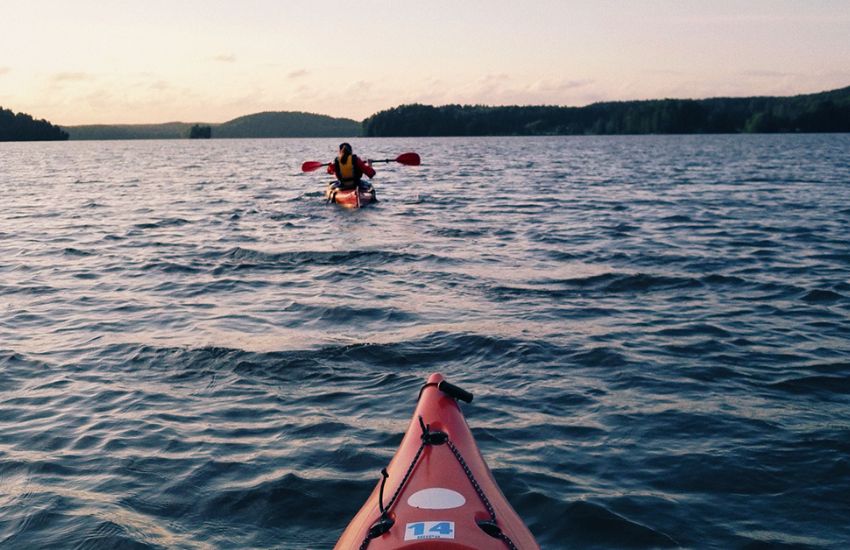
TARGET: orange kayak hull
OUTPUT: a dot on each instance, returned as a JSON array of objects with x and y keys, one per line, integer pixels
[
  {"x": 349, "y": 198},
  {"x": 436, "y": 504}
]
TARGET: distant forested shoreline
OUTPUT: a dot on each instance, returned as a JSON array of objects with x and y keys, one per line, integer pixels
[
  {"x": 23, "y": 127},
  {"x": 275, "y": 124},
  {"x": 822, "y": 112}
]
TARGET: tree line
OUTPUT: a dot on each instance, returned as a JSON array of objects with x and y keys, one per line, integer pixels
[
  {"x": 258, "y": 125},
  {"x": 23, "y": 127},
  {"x": 823, "y": 112},
  {"x": 200, "y": 132}
]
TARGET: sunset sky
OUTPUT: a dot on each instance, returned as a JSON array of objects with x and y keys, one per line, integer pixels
[{"x": 122, "y": 61}]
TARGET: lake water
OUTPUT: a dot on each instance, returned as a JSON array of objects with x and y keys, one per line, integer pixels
[{"x": 197, "y": 352}]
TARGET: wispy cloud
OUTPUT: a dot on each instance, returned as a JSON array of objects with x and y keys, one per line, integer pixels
[
  {"x": 665, "y": 72},
  {"x": 555, "y": 87},
  {"x": 300, "y": 73},
  {"x": 5, "y": 70},
  {"x": 500, "y": 89},
  {"x": 761, "y": 18},
  {"x": 767, "y": 74},
  {"x": 160, "y": 86},
  {"x": 225, "y": 58},
  {"x": 71, "y": 77}
]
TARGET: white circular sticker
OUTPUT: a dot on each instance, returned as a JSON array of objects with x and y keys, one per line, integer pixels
[{"x": 436, "y": 499}]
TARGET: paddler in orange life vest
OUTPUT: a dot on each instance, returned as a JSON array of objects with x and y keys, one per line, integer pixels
[{"x": 349, "y": 169}]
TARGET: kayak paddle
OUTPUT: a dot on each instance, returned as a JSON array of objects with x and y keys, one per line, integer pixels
[
  {"x": 312, "y": 165},
  {"x": 408, "y": 159}
]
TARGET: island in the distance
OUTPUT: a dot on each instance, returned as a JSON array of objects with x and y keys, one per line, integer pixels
[{"x": 821, "y": 112}]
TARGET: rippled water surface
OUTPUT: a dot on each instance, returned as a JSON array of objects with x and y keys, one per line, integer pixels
[{"x": 197, "y": 352}]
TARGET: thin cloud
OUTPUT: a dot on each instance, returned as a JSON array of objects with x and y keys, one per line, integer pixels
[
  {"x": 501, "y": 90},
  {"x": 494, "y": 78},
  {"x": 5, "y": 70},
  {"x": 71, "y": 77},
  {"x": 766, "y": 74},
  {"x": 558, "y": 86},
  {"x": 225, "y": 58},
  {"x": 761, "y": 19},
  {"x": 362, "y": 87},
  {"x": 300, "y": 73},
  {"x": 488, "y": 89},
  {"x": 160, "y": 86},
  {"x": 665, "y": 72}
]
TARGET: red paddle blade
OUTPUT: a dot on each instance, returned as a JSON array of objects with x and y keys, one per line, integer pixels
[
  {"x": 311, "y": 165},
  {"x": 408, "y": 159}
]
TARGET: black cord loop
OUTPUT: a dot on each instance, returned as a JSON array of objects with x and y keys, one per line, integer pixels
[{"x": 435, "y": 438}]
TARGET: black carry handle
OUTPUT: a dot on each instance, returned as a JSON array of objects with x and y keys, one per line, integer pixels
[{"x": 453, "y": 391}]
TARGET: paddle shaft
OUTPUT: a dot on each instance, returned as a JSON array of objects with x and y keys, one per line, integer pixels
[{"x": 408, "y": 159}]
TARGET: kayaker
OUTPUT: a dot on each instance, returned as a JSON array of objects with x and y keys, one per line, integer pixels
[{"x": 349, "y": 168}]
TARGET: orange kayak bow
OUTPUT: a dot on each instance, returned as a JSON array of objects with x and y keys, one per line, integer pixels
[{"x": 437, "y": 492}]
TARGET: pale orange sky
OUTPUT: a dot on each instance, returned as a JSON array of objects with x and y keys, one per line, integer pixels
[{"x": 122, "y": 61}]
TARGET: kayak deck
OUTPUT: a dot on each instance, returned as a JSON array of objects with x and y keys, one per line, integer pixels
[{"x": 438, "y": 491}]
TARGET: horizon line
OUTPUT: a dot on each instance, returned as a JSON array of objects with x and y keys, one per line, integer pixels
[{"x": 704, "y": 98}]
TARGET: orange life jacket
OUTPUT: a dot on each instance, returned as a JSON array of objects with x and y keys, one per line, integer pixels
[{"x": 348, "y": 171}]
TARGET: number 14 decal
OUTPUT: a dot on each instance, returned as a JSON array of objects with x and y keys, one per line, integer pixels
[{"x": 423, "y": 530}]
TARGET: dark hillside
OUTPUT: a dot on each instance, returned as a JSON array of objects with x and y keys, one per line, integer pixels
[
  {"x": 23, "y": 127},
  {"x": 821, "y": 112},
  {"x": 287, "y": 124}
]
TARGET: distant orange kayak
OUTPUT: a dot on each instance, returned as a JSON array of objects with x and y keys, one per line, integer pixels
[
  {"x": 350, "y": 198},
  {"x": 438, "y": 492}
]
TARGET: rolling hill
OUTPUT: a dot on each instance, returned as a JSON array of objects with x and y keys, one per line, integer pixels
[{"x": 259, "y": 125}]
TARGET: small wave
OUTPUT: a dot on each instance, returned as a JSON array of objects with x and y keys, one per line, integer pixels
[
  {"x": 240, "y": 258},
  {"x": 713, "y": 374},
  {"x": 108, "y": 534},
  {"x": 822, "y": 297},
  {"x": 841, "y": 257},
  {"x": 70, "y": 251},
  {"x": 588, "y": 524},
  {"x": 623, "y": 229},
  {"x": 641, "y": 282},
  {"x": 289, "y": 498},
  {"x": 706, "y": 347},
  {"x": 608, "y": 283},
  {"x": 16, "y": 370},
  {"x": 33, "y": 290},
  {"x": 753, "y": 243},
  {"x": 457, "y": 233},
  {"x": 716, "y": 279},
  {"x": 677, "y": 219},
  {"x": 340, "y": 315},
  {"x": 599, "y": 357},
  {"x": 169, "y": 267},
  {"x": 695, "y": 329},
  {"x": 167, "y": 222},
  {"x": 814, "y": 385}
]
